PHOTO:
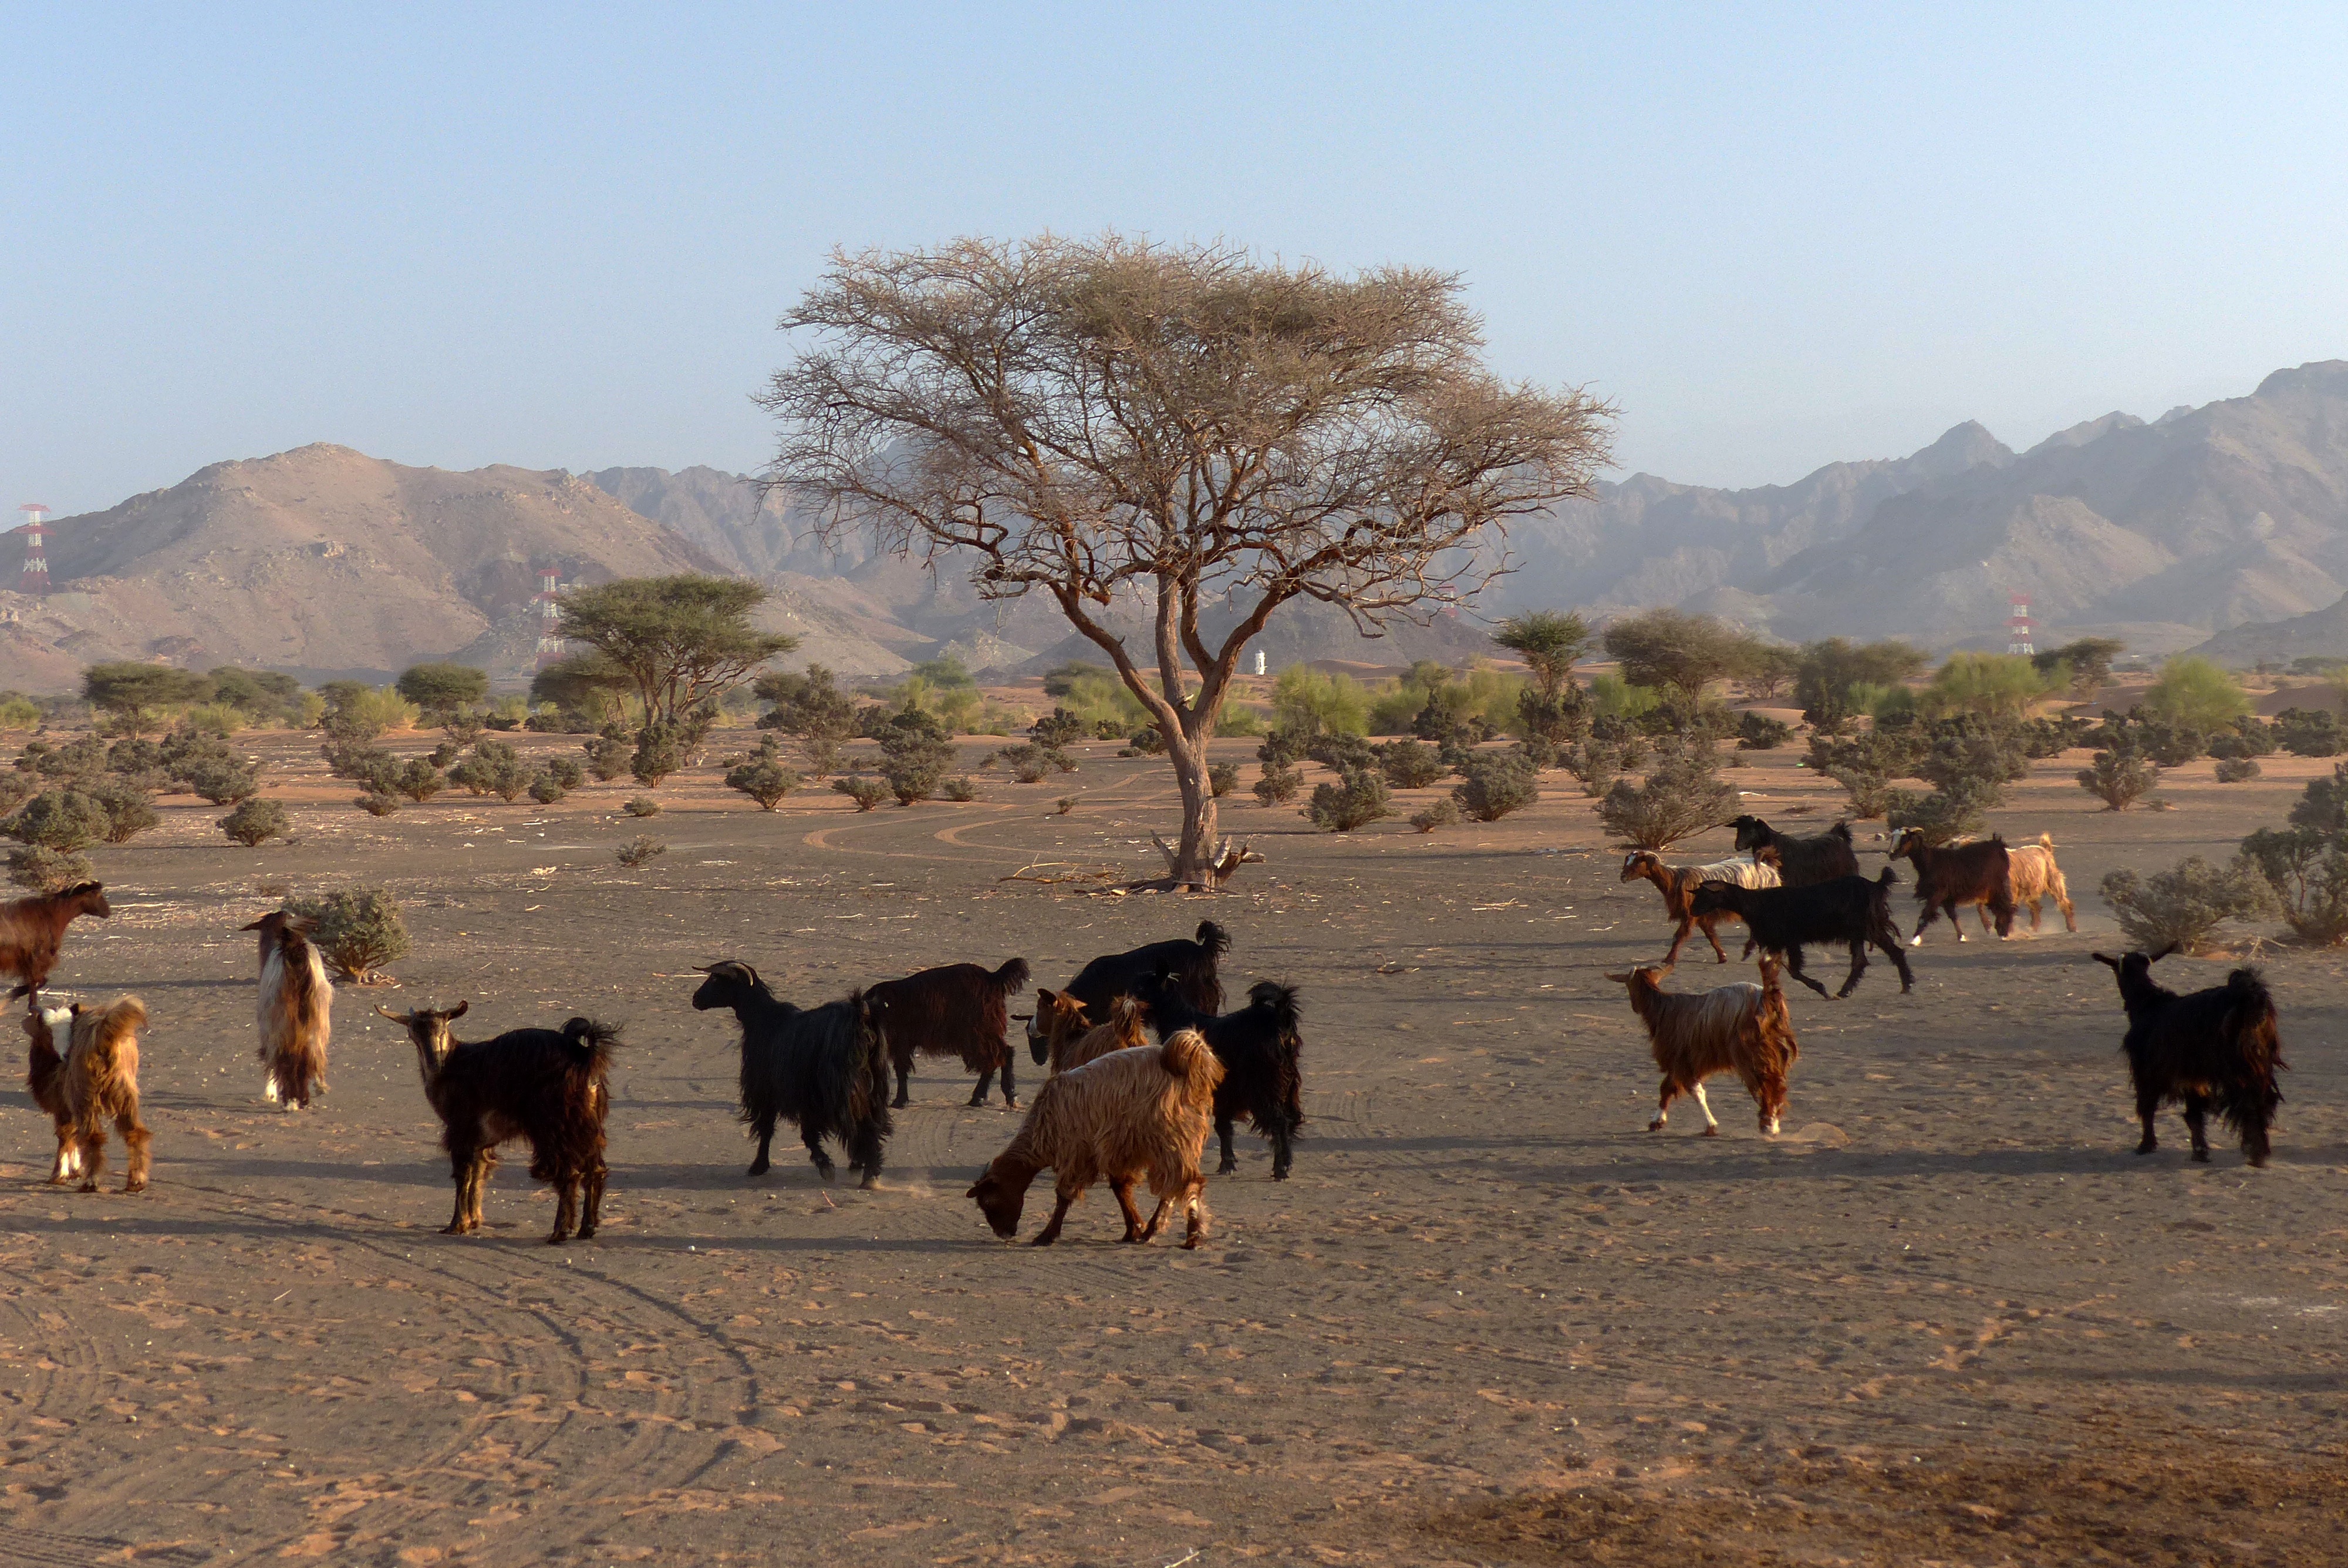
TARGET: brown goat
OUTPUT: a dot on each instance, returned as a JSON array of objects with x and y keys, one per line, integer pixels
[
  {"x": 32, "y": 929},
  {"x": 295, "y": 1011},
  {"x": 1743, "y": 1029},
  {"x": 1130, "y": 1116},
  {"x": 2033, "y": 876},
  {"x": 1127, "y": 1027},
  {"x": 1678, "y": 885},
  {"x": 94, "y": 1079}
]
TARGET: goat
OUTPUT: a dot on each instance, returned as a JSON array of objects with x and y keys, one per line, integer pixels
[
  {"x": 1978, "y": 872},
  {"x": 1743, "y": 1029},
  {"x": 957, "y": 1009},
  {"x": 551, "y": 1086},
  {"x": 1132, "y": 1115},
  {"x": 93, "y": 1080},
  {"x": 1261, "y": 1049},
  {"x": 1073, "y": 1042},
  {"x": 2209, "y": 1049},
  {"x": 1782, "y": 920},
  {"x": 296, "y": 1012},
  {"x": 1801, "y": 859},
  {"x": 823, "y": 1067},
  {"x": 2034, "y": 876},
  {"x": 32, "y": 929},
  {"x": 1114, "y": 975},
  {"x": 1057, "y": 1019},
  {"x": 1678, "y": 884}
]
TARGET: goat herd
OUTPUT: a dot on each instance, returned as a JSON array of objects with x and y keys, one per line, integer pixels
[{"x": 1116, "y": 1106}]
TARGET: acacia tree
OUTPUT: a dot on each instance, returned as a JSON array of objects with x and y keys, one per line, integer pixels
[
  {"x": 1160, "y": 431},
  {"x": 1548, "y": 642},
  {"x": 679, "y": 640},
  {"x": 133, "y": 693}
]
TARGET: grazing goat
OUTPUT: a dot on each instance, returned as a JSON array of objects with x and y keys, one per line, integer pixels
[
  {"x": 1115, "y": 974},
  {"x": 957, "y": 1009},
  {"x": 1742, "y": 1029},
  {"x": 551, "y": 1086},
  {"x": 1136, "y": 1115},
  {"x": 1075, "y": 1042},
  {"x": 91, "y": 1080},
  {"x": 1782, "y": 920},
  {"x": 823, "y": 1067},
  {"x": 2215, "y": 1048},
  {"x": 1261, "y": 1049},
  {"x": 1801, "y": 860},
  {"x": 2034, "y": 876},
  {"x": 1978, "y": 872},
  {"x": 296, "y": 1012},
  {"x": 31, "y": 930},
  {"x": 1678, "y": 885}
]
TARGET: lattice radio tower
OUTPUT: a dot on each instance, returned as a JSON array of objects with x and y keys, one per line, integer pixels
[
  {"x": 34, "y": 576},
  {"x": 550, "y": 616},
  {"x": 2018, "y": 627}
]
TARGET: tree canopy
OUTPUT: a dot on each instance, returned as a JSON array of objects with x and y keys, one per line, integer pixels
[
  {"x": 441, "y": 688},
  {"x": 1668, "y": 647},
  {"x": 2085, "y": 664},
  {"x": 1831, "y": 667},
  {"x": 134, "y": 693},
  {"x": 679, "y": 640},
  {"x": 1184, "y": 435},
  {"x": 1550, "y": 641},
  {"x": 2196, "y": 693}
]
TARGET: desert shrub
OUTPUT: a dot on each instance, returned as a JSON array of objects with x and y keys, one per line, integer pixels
[
  {"x": 464, "y": 727},
  {"x": 1679, "y": 797},
  {"x": 1357, "y": 799},
  {"x": 546, "y": 789},
  {"x": 64, "y": 820},
  {"x": 1759, "y": 733},
  {"x": 1285, "y": 743},
  {"x": 2245, "y": 738},
  {"x": 915, "y": 755},
  {"x": 1343, "y": 753},
  {"x": 2120, "y": 779},
  {"x": 1612, "y": 697},
  {"x": 361, "y": 761},
  {"x": 659, "y": 752},
  {"x": 641, "y": 850},
  {"x": 1328, "y": 702},
  {"x": 2186, "y": 906},
  {"x": 128, "y": 811},
  {"x": 77, "y": 759},
  {"x": 507, "y": 714},
  {"x": 2307, "y": 872},
  {"x": 1107, "y": 730},
  {"x": 566, "y": 771},
  {"x": 255, "y": 819},
  {"x": 607, "y": 754},
  {"x": 16, "y": 789},
  {"x": 1964, "y": 752},
  {"x": 640, "y": 806},
  {"x": 1057, "y": 728},
  {"x": 214, "y": 719},
  {"x": 1866, "y": 764},
  {"x": 377, "y": 803},
  {"x": 2236, "y": 770},
  {"x": 224, "y": 782},
  {"x": 962, "y": 787},
  {"x": 1986, "y": 685},
  {"x": 494, "y": 768},
  {"x": 357, "y": 930},
  {"x": 2051, "y": 737},
  {"x": 1239, "y": 719},
  {"x": 19, "y": 713},
  {"x": 1442, "y": 814},
  {"x": 365, "y": 713},
  {"x": 416, "y": 778},
  {"x": 45, "y": 870},
  {"x": 1494, "y": 785},
  {"x": 763, "y": 780},
  {"x": 2310, "y": 732},
  {"x": 1065, "y": 804},
  {"x": 1146, "y": 741},
  {"x": 2195, "y": 693},
  {"x": 812, "y": 707},
  {"x": 134, "y": 758},
  {"x": 1278, "y": 785},
  {"x": 1222, "y": 778},
  {"x": 866, "y": 792},
  {"x": 1593, "y": 764},
  {"x": 1411, "y": 764},
  {"x": 1940, "y": 814}
]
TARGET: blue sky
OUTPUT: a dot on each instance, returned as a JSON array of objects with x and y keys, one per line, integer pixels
[{"x": 560, "y": 236}]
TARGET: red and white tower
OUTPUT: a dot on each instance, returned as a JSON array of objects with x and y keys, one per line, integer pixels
[
  {"x": 2018, "y": 627},
  {"x": 35, "y": 578},
  {"x": 550, "y": 616}
]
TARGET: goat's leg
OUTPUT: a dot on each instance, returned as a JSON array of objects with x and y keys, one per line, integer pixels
[
  {"x": 1223, "y": 1131},
  {"x": 904, "y": 1085},
  {"x": 765, "y": 1127},
  {"x": 1932, "y": 912},
  {"x": 1195, "y": 1207},
  {"x": 68, "y": 1160},
  {"x": 2197, "y": 1123},
  {"x": 1770, "y": 1097},
  {"x": 986, "y": 1082},
  {"x": 1123, "y": 1187},
  {"x": 1794, "y": 968},
  {"x": 566, "y": 1205},
  {"x": 1679, "y": 939},
  {"x": 2001, "y": 907},
  {"x": 1888, "y": 938},
  {"x": 460, "y": 1173},
  {"x": 1669, "y": 1092},
  {"x": 592, "y": 1206},
  {"x": 1282, "y": 1155},
  {"x": 139, "y": 1142},
  {"x": 813, "y": 1139},
  {"x": 867, "y": 1149},
  {"x": 1009, "y": 1095},
  {"x": 1709, "y": 923},
  {"x": 1156, "y": 1218},
  {"x": 2062, "y": 902},
  {"x": 1711, "y": 1127},
  {"x": 2147, "y": 1106},
  {"x": 1858, "y": 968},
  {"x": 1061, "y": 1204},
  {"x": 89, "y": 1139}
]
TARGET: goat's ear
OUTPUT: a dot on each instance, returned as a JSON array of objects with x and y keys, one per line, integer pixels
[
  {"x": 2173, "y": 947},
  {"x": 458, "y": 1011},
  {"x": 402, "y": 1018},
  {"x": 2107, "y": 961},
  {"x": 1622, "y": 980}
]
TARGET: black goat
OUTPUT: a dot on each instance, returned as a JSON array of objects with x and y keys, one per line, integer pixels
[
  {"x": 1801, "y": 860},
  {"x": 823, "y": 1067},
  {"x": 2210, "y": 1048},
  {"x": 1848, "y": 909},
  {"x": 1980, "y": 872},
  {"x": 1113, "y": 975},
  {"x": 1259, "y": 1048},
  {"x": 955, "y": 1009}
]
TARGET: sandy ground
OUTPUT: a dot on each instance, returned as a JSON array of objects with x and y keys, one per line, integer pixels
[{"x": 1948, "y": 1317}]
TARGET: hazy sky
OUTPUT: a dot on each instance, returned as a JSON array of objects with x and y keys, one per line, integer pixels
[{"x": 560, "y": 236}]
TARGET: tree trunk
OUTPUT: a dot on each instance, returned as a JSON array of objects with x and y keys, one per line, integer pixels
[{"x": 1193, "y": 868}]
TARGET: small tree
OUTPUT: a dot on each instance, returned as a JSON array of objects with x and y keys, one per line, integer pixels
[
  {"x": 607, "y": 755},
  {"x": 916, "y": 756},
  {"x": 255, "y": 821},
  {"x": 1554, "y": 709},
  {"x": 546, "y": 789},
  {"x": 128, "y": 811},
  {"x": 357, "y": 930},
  {"x": 1411, "y": 764},
  {"x": 379, "y": 804},
  {"x": 2310, "y": 732},
  {"x": 2185, "y": 906},
  {"x": 2195, "y": 693},
  {"x": 494, "y": 768},
  {"x": 2120, "y": 779},
  {"x": 866, "y": 792},
  {"x": 812, "y": 708},
  {"x": 2082, "y": 666},
  {"x": 1827, "y": 670},
  {"x": 1680, "y": 797},
  {"x": 1278, "y": 785},
  {"x": 763, "y": 780},
  {"x": 680, "y": 640},
  {"x": 47, "y": 870},
  {"x": 135, "y": 695},
  {"x": 1667, "y": 648},
  {"x": 417, "y": 779},
  {"x": 1442, "y": 814},
  {"x": 441, "y": 691},
  {"x": 64, "y": 820},
  {"x": 1357, "y": 799},
  {"x": 2307, "y": 871},
  {"x": 1758, "y": 732},
  {"x": 1495, "y": 786},
  {"x": 1989, "y": 686}
]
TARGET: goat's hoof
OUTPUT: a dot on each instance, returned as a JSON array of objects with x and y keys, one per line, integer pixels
[
  {"x": 871, "y": 1180},
  {"x": 1045, "y": 1240},
  {"x": 1009, "y": 1104},
  {"x": 1280, "y": 1173},
  {"x": 1227, "y": 1167},
  {"x": 759, "y": 1169},
  {"x": 2146, "y": 1148},
  {"x": 2258, "y": 1162},
  {"x": 1712, "y": 1132},
  {"x": 1656, "y": 1125},
  {"x": 1191, "y": 1245},
  {"x": 129, "y": 1187},
  {"x": 2201, "y": 1156},
  {"x": 87, "y": 1187},
  {"x": 557, "y": 1239},
  {"x": 587, "y": 1233},
  {"x": 452, "y": 1229}
]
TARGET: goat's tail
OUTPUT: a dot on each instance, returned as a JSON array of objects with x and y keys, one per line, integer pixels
[
  {"x": 1839, "y": 830},
  {"x": 591, "y": 1043},
  {"x": 1012, "y": 978},
  {"x": 119, "y": 1020},
  {"x": 2046, "y": 841},
  {"x": 1214, "y": 938},
  {"x": 1187, "y": 1056},
  {"x": 1888, "y": 880},
  {"x": 1280, "y": 1002},
  {"x": 2247, "y": 1099}
]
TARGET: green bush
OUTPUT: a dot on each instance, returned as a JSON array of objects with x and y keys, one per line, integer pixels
[
  {"x": 443, "y": 690},
  {"x": 2186, "y": 906},
  {"x": 763, "y": 780},
  {"x": 357, "y": 930},
  {"x": 1411, "y": 764},
  {"x": 1942, "y": 814},
  {"x": 63, "y": 820},
  {"x": 1147, "y": 742},
  {"x": 1027, "y": 762},
  {"x": 1239, "y": 719},
  {"x": 1330, "y": 702},
  {"x": 494, "y": 768},
  {"x": 962, "y": 787},
  {"x": 255, "y": 821},
  {"x": 566, "y": 771},
  {"x": 641, "y": 850},
  {"x": 1680, "y": 797},
  {"x": 377, "y": 803},
  {"x": 1278, "y": 785},
  {"x": 1057, "y": 728},
  {"x": 2307, "y": 872},
  {"x": 224, "y": 782},
  {"x": 659, "y": 752},
  {"x": 128, "y": 811},
  {"x": 546, "y": 789},
  {"x": 2236, "y": 770},
  {"x": 2310, "y": 732},
  {"x": 1222, "y": 778},
  {"x": 607, "y": 755},
  {"x": 1592, "y": 762},
  {"x": 45, "y": 870},
  {"x": 214, "y": 719},
  {"x": 640, "y": 806},
  {"x": 866, "y": 792},
  {"x": 2195, "y": 693},
  {"x": 19, "y": 713},
  {"x": 1356, "y": 800},
  {"x": 1442, "y": 814},
  {"x": 1759, "y": 733},
  {"x": 1494, "y": 785},
  {"x": 416, "y": 778},
  {"x": 2120, "y": 779}
]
